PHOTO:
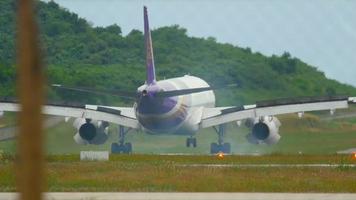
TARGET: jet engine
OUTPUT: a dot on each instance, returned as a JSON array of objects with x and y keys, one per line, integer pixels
[
  {"x": 90, "y": 132},
  {"x": 263, "y": 130}
]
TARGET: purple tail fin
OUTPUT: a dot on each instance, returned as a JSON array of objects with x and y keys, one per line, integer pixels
[{"x": 150, "y": 63}]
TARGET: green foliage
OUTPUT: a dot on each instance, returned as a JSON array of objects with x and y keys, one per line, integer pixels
[
  {"x": 78, "y": 54},
  {"x": 284, "y": 64},
  {"x": 173, "y": 173},
  {"x": 5, "y": 157}
]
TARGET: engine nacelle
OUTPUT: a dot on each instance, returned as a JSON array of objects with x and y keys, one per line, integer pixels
[
  {"x": 90, "y": 132},
  {"x": 264, "y": 130}
]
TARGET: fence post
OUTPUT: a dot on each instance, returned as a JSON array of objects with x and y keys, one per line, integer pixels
[{"x": 30, "y": 91}]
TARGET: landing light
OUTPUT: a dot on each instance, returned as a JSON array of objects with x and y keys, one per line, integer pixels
[
  {"x": 220, "y": 155},
  {"x": 354, "y": 155}
]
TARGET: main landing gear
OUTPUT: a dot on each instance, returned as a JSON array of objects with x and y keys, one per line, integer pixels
[
  {"x": 191, "y": 141},
  {"x": 121, "y": 146},
  {"x": 220, "y": 147}
]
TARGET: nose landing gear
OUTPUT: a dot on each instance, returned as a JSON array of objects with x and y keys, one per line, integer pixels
[{"x": 191, "y": 141}]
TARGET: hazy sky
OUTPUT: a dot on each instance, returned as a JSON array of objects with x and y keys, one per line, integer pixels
[{"x": 320, "y": 32}]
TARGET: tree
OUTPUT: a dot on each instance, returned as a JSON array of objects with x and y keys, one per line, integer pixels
[{"x": 114, "y": 29}]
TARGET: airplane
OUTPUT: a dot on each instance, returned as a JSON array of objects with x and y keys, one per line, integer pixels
[{"x": 178, "y": 106}]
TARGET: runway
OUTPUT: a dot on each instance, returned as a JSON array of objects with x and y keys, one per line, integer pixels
[
  {"x": 189, "y": 196},
  {"x": 270, "y": 165},
  {"x": 9, "y": 133}
]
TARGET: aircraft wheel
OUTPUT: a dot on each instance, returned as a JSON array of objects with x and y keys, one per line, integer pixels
[
  {"x": 128, "y": 148},
  {"x": 187, "y": 143},
  {"x": 214, "y": 148},
  {"x": 115, "y": 148},
  {"x": 194, "y": 141},
  {"x": 226, "y": 148}
]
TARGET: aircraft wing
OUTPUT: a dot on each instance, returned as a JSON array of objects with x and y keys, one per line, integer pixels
[
  {"x": 221, "y": 115},
  {"x": 117, "y": 115}
]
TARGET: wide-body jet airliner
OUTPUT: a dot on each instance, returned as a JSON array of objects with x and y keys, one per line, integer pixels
[{"x": 180, "y": 106}]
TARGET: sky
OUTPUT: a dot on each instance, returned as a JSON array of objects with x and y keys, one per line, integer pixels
[{"x": 320, "y": 32}]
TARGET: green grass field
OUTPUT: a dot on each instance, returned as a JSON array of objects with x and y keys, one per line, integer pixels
[
  {"x": 306, "y": 141},
  {"x": 309, "y": 135},
  {"x": 154, "y": 173}
]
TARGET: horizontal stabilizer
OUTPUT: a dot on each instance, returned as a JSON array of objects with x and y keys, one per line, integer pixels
[
  {"x": 125, "y": 94},
  {"x": 173, "y": 93}
]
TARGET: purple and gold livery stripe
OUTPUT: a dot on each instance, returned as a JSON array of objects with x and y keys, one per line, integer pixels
[
  {"x": 150, "y": 64},
  {"x": 160, "y": 115},
  {"x": 158, "y": 123}
]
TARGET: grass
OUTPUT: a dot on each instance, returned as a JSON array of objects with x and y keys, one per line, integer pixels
[
  {"x": 305, "y": 141},
  {"x": 154, "y": 173},
  {"x": 8, "y": 119}
]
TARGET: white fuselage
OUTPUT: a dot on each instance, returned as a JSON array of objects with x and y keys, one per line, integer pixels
[{"x": 179, "y": 115}]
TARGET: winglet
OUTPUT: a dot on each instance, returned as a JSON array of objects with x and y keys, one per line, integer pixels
[{"x": 150, "y": 64}]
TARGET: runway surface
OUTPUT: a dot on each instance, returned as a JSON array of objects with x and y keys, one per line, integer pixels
[
  {"x": 347, "y": 151},
  {"x": 9, "y": 133},
  {"x": 189, "y": 196},
  {"x": 270, "y": 165}
]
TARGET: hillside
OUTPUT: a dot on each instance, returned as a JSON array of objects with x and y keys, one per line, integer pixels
[{"x": 78, "y": 54}]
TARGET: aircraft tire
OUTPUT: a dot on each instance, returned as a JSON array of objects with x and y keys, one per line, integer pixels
[
  {"x": 226, "y": 148},
  {"x": 187, "y": 144},
  {"x": 115, "y": 148},
  {"x": 128, "y": 148},
  {"x": 194, "y": 141},
  {"x": 214, "y": 148}
]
